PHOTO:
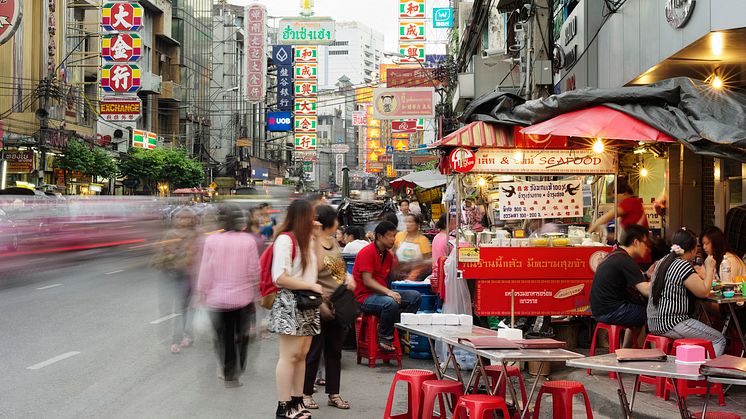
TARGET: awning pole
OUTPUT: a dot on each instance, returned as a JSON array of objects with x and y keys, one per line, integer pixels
[{"x": 681, "y": 185}]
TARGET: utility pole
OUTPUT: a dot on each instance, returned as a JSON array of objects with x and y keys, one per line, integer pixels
[{"x": 539, "y": 48}]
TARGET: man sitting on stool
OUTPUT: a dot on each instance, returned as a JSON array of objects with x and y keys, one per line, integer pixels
[
  {"x": 372, "y": 267},
  {"x": 615, "y": 282}
]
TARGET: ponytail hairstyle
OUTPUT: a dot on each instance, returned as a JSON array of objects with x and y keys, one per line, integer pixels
[{"x": 682, "y": 241}]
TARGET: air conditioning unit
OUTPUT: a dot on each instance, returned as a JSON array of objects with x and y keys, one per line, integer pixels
[{"x": 164, "y": 58}]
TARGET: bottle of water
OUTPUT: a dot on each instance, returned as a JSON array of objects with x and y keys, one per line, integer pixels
[{"x": 725, "y": 271}]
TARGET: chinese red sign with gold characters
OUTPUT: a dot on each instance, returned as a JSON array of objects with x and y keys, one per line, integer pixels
[{"x": 10, "y": 18}]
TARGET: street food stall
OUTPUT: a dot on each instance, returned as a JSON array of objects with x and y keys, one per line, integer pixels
[{"x": 537, "y": 194}]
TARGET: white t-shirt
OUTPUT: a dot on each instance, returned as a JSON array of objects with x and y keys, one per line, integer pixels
[
  {"x": 355, "y": 246},
  {"x": 281, "y": 261}
]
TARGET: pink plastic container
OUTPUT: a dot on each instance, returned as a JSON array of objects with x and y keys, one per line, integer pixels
[{"x": 690, "y": 354}]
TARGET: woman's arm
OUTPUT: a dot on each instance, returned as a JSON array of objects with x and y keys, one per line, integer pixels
[{"x": 701, "y": 288}]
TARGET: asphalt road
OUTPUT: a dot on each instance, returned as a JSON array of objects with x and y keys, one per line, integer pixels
[{"x": 90, "y": 340}]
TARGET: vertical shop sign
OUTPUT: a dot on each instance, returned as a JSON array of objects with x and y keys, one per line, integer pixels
[
  {"x": 285, "y": 87},
  {"x": 256, "y": 54}
]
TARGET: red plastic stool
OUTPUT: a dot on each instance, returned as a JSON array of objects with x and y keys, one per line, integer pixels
[
  {"x": 688, "y": 387},
  {"x": 664, "y": 344},
  {"x": 562, "y": 393},
  {"x": 414, "y": 380},
  {"x": 615, "y": 335},
  {"x": 716, "y": 415},
  {"x": 476, "y": 406},
  {"x": 494, "y": 371},
  {"x": 366, "y": 330},
  {"x": 436, "y": 389}
]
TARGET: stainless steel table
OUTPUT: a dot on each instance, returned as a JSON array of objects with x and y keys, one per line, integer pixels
[
  {"x": 720, "y": 380},
  {"x": 665, "y": 369},
  {"x": 731, "y": 316}
]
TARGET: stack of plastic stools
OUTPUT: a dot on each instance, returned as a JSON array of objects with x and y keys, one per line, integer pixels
[
  {"x": 664, "y": 344},
  {"x": 494, "y": 371},
  {"x": 366, "y": 330},
  {"x": 716, "y": 415},
  {"x": 419, "y": 346},
  {"x": 438, "y": 389},
  {"x": 475, "y": 406},
  {"x": 615, "y": 333},
  {"x": 562, "y": 393},
  {"x": 688, "y": 387},
  {"x": 414, "y": 380}
]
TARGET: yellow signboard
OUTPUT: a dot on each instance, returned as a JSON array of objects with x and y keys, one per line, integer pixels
[{"x": 364, "y": 95}]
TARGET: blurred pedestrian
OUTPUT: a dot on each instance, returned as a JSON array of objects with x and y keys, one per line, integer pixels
[
  {"x": 267, "y": 223},
  {"x": 176, "y": 258},
  {"x": 228, "y": 281},
  {"x": 411, "y": 246},
  {"x": 332, "y": 275},
  {"x": 294, "y": 271},
  {"x": 402, "y": 214}
]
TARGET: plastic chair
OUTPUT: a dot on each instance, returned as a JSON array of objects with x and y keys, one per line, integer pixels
[
  {"x": 436, "y": 389},
  {"x": 366, "y": 330},
  {"x": 475, "y": 406},
  {"x": 414, "y": 380},
  {"x": 562, "y": 393},
  {"x": 494, "y": 371},
  {"x": 689, "y": 387},
  {"x": 615, "y": 336},
  {"x": 716, "y": 415},
  {"x": 664, "y": 344}
]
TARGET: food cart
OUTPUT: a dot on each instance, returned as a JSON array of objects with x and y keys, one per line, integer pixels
[{"x": 520, "y": 179}]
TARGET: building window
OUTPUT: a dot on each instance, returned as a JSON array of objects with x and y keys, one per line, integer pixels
[
  {"x": 340, "y": 44},
  {"x": 342, "y": 52}
]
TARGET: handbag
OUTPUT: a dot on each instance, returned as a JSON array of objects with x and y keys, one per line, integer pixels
[
  {"x": 345, "y": 306},
  {"x": 307, "y": 300}
]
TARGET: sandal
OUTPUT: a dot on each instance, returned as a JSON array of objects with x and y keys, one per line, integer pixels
[
  {"x": 175, "y": 349},
  {"x": 292, "y": 412},
  {"x": 309, "y": 402},
  {"x": 386, "y": 346},
  {"x": 335, "y": 400},
  {"x": 320, "y": 382}
]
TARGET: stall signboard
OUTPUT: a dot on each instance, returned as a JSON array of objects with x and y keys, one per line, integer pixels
[
  {"x": 499, "y": 160},
  {"x": 256, "y": 52},
  {"x": 305, "y": 142},
  {"x": 306, "y": 54},
  {"x": 522, "y": 200},
  {"x": 121, "y": 16},
  {"x": 411, "y": 30},
  {"x": 533, "y": 297},
  {"x": 403, "y": 103},
  {"x": 532, "y": 263},
  {"x": 120, "y": 78},
  {"x": 306, "y": 31},
  {"x": 19, "y": 161},
  {"x": 10, "y": 14},
  {"x": 411, "y": 9},
  {"x": 305, "y": 106},
  {"x": 462, "y": 160},
  {"x": 118, "y": 108},
  {"x": 305, "y": 124},
  {"x": 359, "y": 118},
  {"x": 121, "y": 47}
]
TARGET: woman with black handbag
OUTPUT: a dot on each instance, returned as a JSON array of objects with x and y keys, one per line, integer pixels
[
  {"x": 337, "y": 287},
  {"x": 295, "y": 311}
]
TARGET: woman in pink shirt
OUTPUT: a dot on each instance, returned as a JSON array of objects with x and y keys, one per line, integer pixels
[
  {"x": 440, "y": 248},
  {"x": 228, "y": 283}
]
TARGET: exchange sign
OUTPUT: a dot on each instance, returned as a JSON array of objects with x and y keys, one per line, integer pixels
[
  {"x": 120, "y": 78},
  {"x": 305, "y": 107},
  {"x": 120, "y": 108},
  {"x": 121, "y": 16},
  {"x": 121, "y": 47},
  {"x": 305, "y": 142},
  {"x": 10, "y": 18}
]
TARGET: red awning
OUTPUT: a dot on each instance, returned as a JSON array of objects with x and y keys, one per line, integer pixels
[
  {"x": 598, "y": 122},
  {"x": 477, "y": 134}
]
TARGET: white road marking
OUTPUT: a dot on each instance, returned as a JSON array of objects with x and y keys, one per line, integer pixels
[
  {"x": 114, "y": 272},
  {"x": 51, "y": 361},
  {"x": 49, "y": 286},
  {"x": 164, "y": 318}
]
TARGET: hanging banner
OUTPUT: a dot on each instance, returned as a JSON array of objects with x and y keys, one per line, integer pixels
[
  {"x": 121, "y": 16},
  {"x": 305, "y": 106},
  {"x": 498, "y": 160},
  {"x": 306, "y": 31},
  {"x": 522, "y": 200},
  {"x": 121, "y": 47},
  {"x": 256, "y": 56}
]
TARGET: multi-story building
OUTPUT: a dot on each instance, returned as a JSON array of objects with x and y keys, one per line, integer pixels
[{"x": 356, "y": 53}]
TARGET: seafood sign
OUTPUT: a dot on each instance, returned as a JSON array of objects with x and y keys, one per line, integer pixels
[{"x": 521, "y": 200}]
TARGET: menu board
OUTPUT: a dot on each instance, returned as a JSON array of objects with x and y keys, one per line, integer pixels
[{"x": 560, "y": 199}]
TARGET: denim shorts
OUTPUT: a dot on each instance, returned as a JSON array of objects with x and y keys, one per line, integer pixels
[{"x": 627, "y": 314}]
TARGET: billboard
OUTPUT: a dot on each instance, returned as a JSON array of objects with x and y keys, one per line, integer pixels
[
  {"x": 279, "y": 121},
  {"x": 403, "y": 103}
]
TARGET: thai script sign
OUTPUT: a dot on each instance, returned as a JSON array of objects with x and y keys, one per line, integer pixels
[
  {"x": 403, "y": 103},
  {"x": 411, "y": 77},
  {"x": 497, "y": 160},
  {"x": 121, "y": 16},
  {"x": 20, "y": 161},
  {"x": 256, "y": 57},
  {"x": 306, "y": 31},
  {"x": 522, "y": 200},
  {"x": 358, "y": 118}
]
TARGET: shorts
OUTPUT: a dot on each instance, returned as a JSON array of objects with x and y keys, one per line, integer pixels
[{"x": 627, "y": 314}]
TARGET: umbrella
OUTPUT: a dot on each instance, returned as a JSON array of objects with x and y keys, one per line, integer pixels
[
  {"x": 426, "y": 179},
  {"x": 598, "y": 122}
]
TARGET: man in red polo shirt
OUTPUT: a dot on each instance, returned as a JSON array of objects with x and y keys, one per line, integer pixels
[{"x": 372, "y": 267}]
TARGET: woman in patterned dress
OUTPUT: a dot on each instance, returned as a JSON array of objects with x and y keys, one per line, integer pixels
[{"x": 295, "y": 327}]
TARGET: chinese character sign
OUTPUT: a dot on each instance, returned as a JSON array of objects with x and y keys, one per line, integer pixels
[
  {"x": 121, "y": 47},
  {"x": 306, "y": 89},
  {"x": 121, "y": 16},
  {"x": 120, "y": 78},
  {"x": 411, "y": 30},
  {"x": 305, "y": 71},
  {"x": 256, "y": 54},
  {"x": 306, "y": 54},
  {"x": 305, "y": 124},
  {"x": 411, "y": 9},
  {"x": 305, "y": 142},
  {"x": 285, "y": 87},
  {"x": 521, "y": 200},
  {"x": 305, "y": 107},
  {"x": 415, "y": 52}
]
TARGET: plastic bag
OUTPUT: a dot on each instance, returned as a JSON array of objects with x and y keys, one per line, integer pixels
[
  {"x": 458, "y": 301},
  {"x": 201, "y": 323}
]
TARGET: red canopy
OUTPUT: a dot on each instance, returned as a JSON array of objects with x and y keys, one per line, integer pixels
[
  {"x": 598, "y": 122},
  {"x": 477, "y": 134}
]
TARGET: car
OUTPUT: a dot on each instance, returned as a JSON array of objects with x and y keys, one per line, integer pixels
[{"x": 8, "y": 232}]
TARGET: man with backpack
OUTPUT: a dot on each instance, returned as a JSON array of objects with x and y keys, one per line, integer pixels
[{"x": 371, "y": 271}]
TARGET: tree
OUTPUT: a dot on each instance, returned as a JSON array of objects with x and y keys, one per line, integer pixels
[
  {"x": 77, "y": 157},
  {"x": 103, "y": 165},
  {"x": 163, "y": 165}
]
